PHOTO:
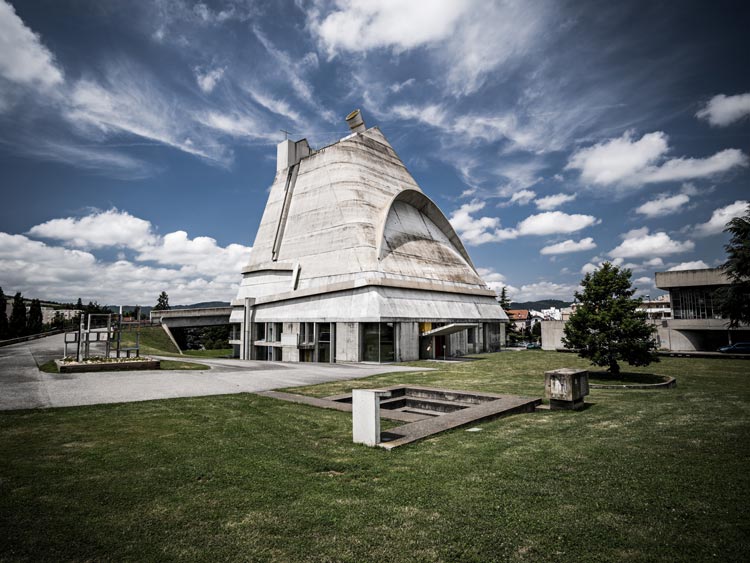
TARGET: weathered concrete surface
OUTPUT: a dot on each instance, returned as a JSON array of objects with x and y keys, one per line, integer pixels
[
  {"x": 23, "y": 386},
  {"x": 566, "y": 387},
  {"x": 691, "y": 278},
  {"x": 186, "y": 318}
]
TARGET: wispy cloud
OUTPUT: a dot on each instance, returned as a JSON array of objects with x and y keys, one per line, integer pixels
[{"x": 292, "y": 70}]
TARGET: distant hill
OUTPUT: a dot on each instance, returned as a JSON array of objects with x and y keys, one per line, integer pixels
[{"x": 539, "y": 305}]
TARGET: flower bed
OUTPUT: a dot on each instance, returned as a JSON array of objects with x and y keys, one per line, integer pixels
[{"x": 69, "y": 365}]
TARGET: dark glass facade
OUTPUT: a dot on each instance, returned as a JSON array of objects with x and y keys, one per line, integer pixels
[
  {"x": 693, "y": 303},
  {"x": 378, "y": 342}
]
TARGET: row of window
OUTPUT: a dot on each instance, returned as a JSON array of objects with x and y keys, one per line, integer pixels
[{"x": 693, "y": 303}]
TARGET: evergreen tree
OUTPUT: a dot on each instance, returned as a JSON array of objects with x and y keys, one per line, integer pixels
[
  {"x": 734, "y": 301},
  {"x": 17, "y": 324},
  {"x": 35, "y": 322},
  {"x": 79, "y": 304},
  {"x": 607, "y": 326},
  {"x": 162, "y": 303},
  {"x": 503, "y": 299},
  {"x": 3, "y": 316}
]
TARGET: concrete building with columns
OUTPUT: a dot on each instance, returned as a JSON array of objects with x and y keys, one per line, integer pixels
[{"x": 352, "y": 262}]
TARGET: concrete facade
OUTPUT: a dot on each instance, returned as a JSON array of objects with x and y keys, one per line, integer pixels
[
  {"x": 353, "y": 262},
  {"x": 696, "y": 324}
]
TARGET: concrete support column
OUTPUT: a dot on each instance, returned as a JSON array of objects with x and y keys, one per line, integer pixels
[{"x": 366, "y": 415}]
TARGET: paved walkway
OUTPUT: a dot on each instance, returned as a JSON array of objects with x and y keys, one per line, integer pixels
[{"x": 23, "y": 386}]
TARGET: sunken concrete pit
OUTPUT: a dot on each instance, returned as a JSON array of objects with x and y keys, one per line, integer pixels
[{"x": 425, "y": 410}]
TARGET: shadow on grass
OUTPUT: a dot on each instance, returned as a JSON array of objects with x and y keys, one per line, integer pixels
[{"x": 626, "y": 378}]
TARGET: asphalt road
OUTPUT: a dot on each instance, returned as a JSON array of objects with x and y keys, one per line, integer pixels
[{"x": 23, "y": 386}]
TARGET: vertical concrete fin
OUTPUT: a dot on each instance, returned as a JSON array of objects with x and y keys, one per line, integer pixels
[{"x": 291, "y": 179}]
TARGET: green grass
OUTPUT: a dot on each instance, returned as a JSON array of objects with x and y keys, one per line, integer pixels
[
  {"x": 639, "y": 476},
  {"x": 220, "y": 353},
  {"x": 152, "y": 340},
  {"x": 49, "y": 367},
  {"x": 177, "y": 364}
]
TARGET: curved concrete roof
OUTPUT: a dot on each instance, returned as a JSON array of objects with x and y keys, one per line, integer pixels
[{"x": 351, "y": 215}]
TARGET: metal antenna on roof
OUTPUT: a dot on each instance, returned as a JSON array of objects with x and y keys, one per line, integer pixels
[{"x": 286, "y": 133}]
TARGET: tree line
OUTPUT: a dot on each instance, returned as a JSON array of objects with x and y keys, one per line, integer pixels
[{"x": 24, "y": 323}]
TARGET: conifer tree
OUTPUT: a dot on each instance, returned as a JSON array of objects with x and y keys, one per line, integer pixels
[
  {"x": 162, "y": 303},
  {"x": 3, "y": 316},
  {"x": 35, "y": 322},
  {"x": 607, "y": 326},
  {"x": 17, "y": 324},
  {"x": 734, "y": 301}
]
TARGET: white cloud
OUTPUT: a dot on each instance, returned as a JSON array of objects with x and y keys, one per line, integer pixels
[
  {"x": 360, "y": 26},
  {"x": 618, "y": 159},
  {"x": 208, "y": 79},
  {"x": 719, "y": 219},
  {"x": 23, "y": 57},
  {"x": 644, "y": 281},
  {"x": 201, "y": 254},
  {"x": 476, "y": 231},
  {"x": 638, "y": 243},
  {"x": 589, "y": 268},
  {"x": 569, "y": 246},
  {"x": 190, "y": 270},
  {"x": 454, "y": 33},
  {"x": 663, "y": 205},
  {"x": 722, "y": 110},
  {"x": 695, "y": 265},
  {"x": 523, "y": 197},
  {"x": 100, "y": 229},
  {"x": 550, "y": 202},
  {"x": 543, "y": 290},
  {"x": 494, "y": 280},
  {"x": 627, "y": 162},
  {"x": 554, "y": 222}
]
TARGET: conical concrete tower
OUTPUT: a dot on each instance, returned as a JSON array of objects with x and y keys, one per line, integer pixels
[{"x": 353, "y": 262}]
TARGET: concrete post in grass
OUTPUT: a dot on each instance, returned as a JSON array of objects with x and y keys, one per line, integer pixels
[
  {"x": 366, "y": 415},
  {"x": 565, "y": 388}
]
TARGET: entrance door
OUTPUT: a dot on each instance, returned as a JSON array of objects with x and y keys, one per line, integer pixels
[{"x": 440, "y": 349}]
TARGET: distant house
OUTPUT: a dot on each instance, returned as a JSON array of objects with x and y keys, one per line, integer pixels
[
  {"x": 520, "y": 318},
  {"x": 658, "y": 308}
]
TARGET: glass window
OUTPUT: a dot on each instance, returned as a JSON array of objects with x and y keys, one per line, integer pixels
[
  {"x": 370, "y": 342},
  {"x": 470, "y": 336},
  {"x": 387, "y": 347},
  {"x": 378, "y": 342}
]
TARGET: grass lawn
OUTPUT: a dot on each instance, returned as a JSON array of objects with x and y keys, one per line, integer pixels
[
  {"x": 152, "y": 340},
  {"x": 639, "y": 476},
  {"x": 220, "y": 353}
]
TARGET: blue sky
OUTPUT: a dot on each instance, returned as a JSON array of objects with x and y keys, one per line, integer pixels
[{"x": 137, "y": 139}]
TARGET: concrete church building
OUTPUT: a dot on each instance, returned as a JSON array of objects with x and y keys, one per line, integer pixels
[{"x": 354, "y": 263}]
